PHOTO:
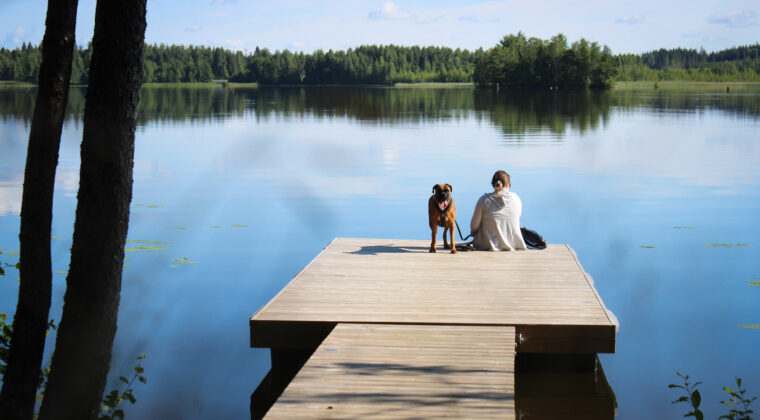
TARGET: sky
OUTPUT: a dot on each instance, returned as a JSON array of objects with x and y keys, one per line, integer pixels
[{"x": 301, "y": 25}]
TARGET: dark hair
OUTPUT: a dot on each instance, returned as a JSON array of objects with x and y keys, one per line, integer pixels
[{"x": 500, "y": 177}]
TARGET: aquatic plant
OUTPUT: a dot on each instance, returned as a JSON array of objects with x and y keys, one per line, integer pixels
[
  {"x": 114, "y": 399},
  {"x": 738, "y": 402},
  {"x": 692, "y": 396},
  {"x": 110, "y": 408}
]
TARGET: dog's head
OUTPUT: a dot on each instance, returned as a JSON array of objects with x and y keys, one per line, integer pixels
[{"x": 442, "y": 194}]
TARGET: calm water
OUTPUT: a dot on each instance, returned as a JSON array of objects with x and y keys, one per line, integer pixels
[{"x": 251, "y": 184}]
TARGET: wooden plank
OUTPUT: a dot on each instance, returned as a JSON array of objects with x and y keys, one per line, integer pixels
[
  {"x": 405, "y": 371},
  {"x": 397, "y": 281}
]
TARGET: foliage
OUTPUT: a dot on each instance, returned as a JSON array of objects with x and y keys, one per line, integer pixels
[
  {"x": 738, "y": 403},
  {"x": 732, "y": 64},
  {"x": 367, "y": 64},
  {"x": 515, "y": 61},
  {"x": 692, "y": 396},
  {"x": 5, "y": 342},
  {"x": 518, "y": 61},
  {"x": 113, "y": 400},
  {"x": 6, "y": 331}
]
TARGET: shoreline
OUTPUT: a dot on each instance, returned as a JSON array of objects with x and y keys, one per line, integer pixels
[{"x": 668, "y": 85}]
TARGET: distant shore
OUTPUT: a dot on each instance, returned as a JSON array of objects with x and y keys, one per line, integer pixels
[
  {"x": 669, "y": 85},
  {"x": 685, "y": 85}
]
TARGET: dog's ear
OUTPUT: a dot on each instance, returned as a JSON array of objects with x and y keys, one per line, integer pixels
[
  {"x": 435, "y": 188},
  {"x": 450, "y": 187}
]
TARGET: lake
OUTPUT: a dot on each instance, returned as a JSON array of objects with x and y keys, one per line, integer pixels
[{"x": 236, "y": 190}]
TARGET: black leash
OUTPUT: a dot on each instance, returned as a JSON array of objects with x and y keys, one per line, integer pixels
[{"x": 460, "y": 231}]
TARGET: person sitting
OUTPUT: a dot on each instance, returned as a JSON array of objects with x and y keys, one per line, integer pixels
[{"x": 495, "y": 224}]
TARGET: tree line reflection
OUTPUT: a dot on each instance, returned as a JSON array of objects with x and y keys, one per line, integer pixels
[{"x": 516, "y": 113}]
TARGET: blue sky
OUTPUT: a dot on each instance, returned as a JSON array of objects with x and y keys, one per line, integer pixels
[{"x": 300, "y": 25}]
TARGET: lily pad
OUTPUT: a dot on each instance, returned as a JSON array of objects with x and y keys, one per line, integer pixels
[
  {"x": 754, "y": 283},
  {"x": 177, "y": 228},
  {"x": 13, "y": 253},
  {"x": 238, "y": 225},
  {"x": 145, "y": 248},
  {"x": 716, "y": 245},
  {"x": 646, "y": 246},
  {"x": 751, "y": 326},
  {"x": 684, "y": 227},
  {"x": 183, "y": 261},
  {"x": 215, "y": 227},
  {"x": 154, "y": 206}
]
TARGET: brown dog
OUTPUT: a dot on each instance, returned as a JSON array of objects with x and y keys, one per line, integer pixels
[{"x": 443, "y": 213}]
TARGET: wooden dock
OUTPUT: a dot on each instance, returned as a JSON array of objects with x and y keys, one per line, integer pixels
[{"x": 383, "y": 328}]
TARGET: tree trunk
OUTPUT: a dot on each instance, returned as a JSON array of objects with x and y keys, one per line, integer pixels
[
  {"x": 30, "y": 322},
  {"x": 85, "y": 337}
]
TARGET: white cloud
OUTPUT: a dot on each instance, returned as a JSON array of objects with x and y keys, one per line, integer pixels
[
  {"x": 630, "y": 20},
  {"x": 477, "y": 19},
  {"x": 428, "y": 20},
  {"x": 736, "y": 19},
  {"x": 390, "y": 11},
  {"x": 10, "y": 198},
  {"x": 234, "y": 44},
  {"x": 195, "y": 28}
]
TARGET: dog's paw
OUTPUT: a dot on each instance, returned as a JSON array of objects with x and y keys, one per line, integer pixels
[
  {"x": 446, "y": 246},
  {"x": 453, "y": 250},
  {"x": 432, "y": 250}
]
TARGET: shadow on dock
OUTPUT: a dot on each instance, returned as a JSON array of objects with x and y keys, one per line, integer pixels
[
  {"x": 547, "y": 387},
  {"x": 383, "y": 249}
]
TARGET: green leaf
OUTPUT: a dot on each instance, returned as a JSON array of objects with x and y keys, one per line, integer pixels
[
  {"x": 2, "y": 271},
  {"x": 130, "y": 397},
  {"x": 119, "y": 413},
  {"x": 675, "y": 386},
  {"x": 698, "y": 414},
  {"x": 682, "y": 399},
  {"x": 139, "y": 369},
  {"x": 123, "y": 379},
  {"x": 696, "y": 399}
]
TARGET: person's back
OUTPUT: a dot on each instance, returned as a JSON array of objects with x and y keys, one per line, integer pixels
[{"x": 495, "y": 223}]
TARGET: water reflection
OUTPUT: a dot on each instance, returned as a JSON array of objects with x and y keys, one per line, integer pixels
[
  {"x": 562, "y": 387},
  {"x": 518, "y": 114},
  {"x": 302, "y": 166}
]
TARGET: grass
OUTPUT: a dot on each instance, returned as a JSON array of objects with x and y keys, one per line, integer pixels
[
  {"x": 683, "y": 85},
  {"x": 434, "y": 84},
  {"x": 11, "y": 83}
]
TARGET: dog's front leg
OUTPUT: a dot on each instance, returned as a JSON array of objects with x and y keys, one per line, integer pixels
[
  {"x": 453, "y": 247},
  {"x": 445, "y": 242},
  {"x": 434, "y": 229}
]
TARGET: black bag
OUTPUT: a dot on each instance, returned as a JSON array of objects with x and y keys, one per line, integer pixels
[{"x": 532, "y": 239}]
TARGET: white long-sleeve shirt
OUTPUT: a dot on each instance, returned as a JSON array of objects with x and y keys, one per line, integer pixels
[{"x": 495, "y": 223}]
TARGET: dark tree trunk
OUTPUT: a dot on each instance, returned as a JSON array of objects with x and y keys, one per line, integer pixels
[
  {"x": 30, "y": 322},
  {"x": 83, "y": 345}
]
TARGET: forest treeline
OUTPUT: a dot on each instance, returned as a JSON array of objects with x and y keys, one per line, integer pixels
[
  {"x": 518, "y": 61},
  {"x": 515, "y": 61}
]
